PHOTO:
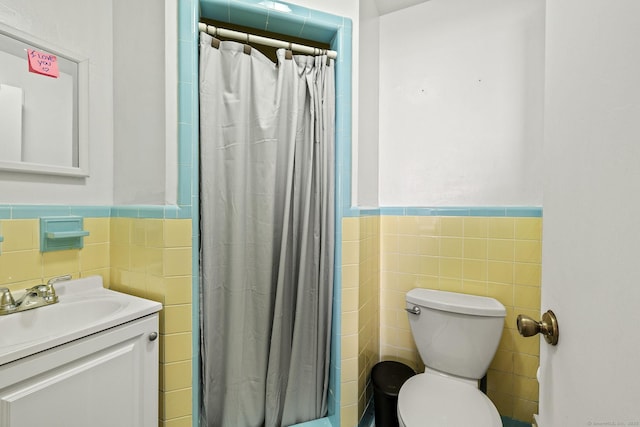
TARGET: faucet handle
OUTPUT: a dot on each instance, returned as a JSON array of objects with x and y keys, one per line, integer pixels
[
  {"x": 47, "y": 292},
  {"x": 58, "y": 279},
  {"x": 7, "y": 303}
]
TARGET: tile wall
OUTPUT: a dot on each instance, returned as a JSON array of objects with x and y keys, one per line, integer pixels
[
  {"x": 382, "y": 258},
  {"x": 22, "y": 265},
  {"x": 151, "y": 258},
  {"x": 360, "y": 319},
  {"x": 491, "y": 256}
]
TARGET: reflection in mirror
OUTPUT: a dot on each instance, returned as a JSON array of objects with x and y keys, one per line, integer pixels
[{"x": 43, "y": 115}]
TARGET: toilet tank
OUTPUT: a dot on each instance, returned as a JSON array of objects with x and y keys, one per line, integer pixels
[{"x": 456, "y": 334}]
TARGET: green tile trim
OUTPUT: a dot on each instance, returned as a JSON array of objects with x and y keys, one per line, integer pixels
[
  {"x": 36, "y": 211},
  {"x": 173, "y": 211},
  {"x": 91, "y": 211},
  {"x": 508, "y": 422},
  {"x": 139, "y": 211},
  {"x": 476, "y": 211},
  {"x": 144, "y": 211}
]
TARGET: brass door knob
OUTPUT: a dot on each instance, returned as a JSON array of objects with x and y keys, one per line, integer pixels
[{"x": 548, "y": 327}]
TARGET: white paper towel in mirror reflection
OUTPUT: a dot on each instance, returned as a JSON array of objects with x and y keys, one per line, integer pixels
[{"x": 11, "y": 101}]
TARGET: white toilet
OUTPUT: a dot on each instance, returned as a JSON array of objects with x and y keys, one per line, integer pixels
[{"x": 457, "y": 336}]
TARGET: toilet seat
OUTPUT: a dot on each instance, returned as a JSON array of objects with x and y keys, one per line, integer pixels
[{"x": 432, "y": 400}]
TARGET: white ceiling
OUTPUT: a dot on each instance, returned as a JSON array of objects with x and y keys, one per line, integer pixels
[{"x": 388, "y": 6}]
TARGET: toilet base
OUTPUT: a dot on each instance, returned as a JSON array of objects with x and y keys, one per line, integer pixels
[{"x": 435, "y": 400}]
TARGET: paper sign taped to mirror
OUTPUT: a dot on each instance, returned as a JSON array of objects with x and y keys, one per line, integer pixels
[{"x": 43, "y": 63}]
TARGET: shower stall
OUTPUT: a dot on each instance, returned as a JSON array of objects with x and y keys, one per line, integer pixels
[{"x": 272, "y": 195}]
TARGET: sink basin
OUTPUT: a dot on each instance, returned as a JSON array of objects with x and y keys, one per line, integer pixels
[
  {"x": 85, "y": 307},
  {"x": 52, "y": 320}
]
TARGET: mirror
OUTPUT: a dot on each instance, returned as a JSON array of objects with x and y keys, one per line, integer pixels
[{"x": 43, "y": 118}]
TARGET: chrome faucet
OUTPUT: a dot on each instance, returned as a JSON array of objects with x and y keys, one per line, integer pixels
[
  {"x": 37, "y": 296},
  {"x": 34, "y": 297},
  {"x": 58, "y": 279},
  {"x": 7, "y": 303}
]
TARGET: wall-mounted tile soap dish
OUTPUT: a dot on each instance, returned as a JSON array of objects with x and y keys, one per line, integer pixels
[{"x": 61, "y": 232}]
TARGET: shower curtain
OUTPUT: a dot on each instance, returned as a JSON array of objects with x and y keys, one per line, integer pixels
[{"x": 267, "y": 227}]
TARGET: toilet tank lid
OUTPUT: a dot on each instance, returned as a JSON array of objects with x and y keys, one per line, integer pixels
[{"x": 456, "y": 303}]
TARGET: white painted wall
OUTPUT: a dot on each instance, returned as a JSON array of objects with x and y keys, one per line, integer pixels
[
  {"x": 132, "y": 52},
  {"x": 389, "y": 6},
  {"x": 461, "y": 103},
  {"x": 592, "y": 166},
  {"x": 83, "y": 27},
  {"x": 368, "y": 86},
  {"x": 349, "y": 9},
  {"x": 140, "y": 132}
]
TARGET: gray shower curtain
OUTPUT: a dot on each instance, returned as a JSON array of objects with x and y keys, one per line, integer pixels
[{"x": 267, "y": 227}]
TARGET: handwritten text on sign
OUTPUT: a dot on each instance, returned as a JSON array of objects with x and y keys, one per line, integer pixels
[{"x": 43, "y": 63}]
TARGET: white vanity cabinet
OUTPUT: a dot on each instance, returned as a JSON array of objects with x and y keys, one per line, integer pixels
[{"x": 108, "y": 379}]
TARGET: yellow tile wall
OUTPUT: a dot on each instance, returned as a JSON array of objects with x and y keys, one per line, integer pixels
[
  {"x": 360, "y": 314},
  {"x": 498, "y": 257},
  {"x": 22, "y": 265},
  {"x": 383, "y": 258},
  {"x": 150, "y": 258}
]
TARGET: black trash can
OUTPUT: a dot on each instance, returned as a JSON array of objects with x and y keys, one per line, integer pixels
[{"x": 387, "y": 378}]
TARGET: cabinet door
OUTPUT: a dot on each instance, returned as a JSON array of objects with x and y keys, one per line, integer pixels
[{"x": 107, "y": 379}]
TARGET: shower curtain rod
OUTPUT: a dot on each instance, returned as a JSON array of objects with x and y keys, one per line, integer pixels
[{"x": 252, "y": 38}]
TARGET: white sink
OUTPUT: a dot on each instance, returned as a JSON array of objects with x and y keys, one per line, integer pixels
[{"x": 84, "y": 308}]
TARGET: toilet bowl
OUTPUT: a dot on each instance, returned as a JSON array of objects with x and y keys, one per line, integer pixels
[
  {"x": 457, "y": 336},
  {"x": 431, "y": 400}
]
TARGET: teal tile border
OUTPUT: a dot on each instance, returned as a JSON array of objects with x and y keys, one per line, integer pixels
[
  {"x": 481, "y": 211},
  {"x": 320, "y": 422},
  {"x": 131, "y": 211},
  {"x": 508, "y": 422},
  {"x": 91, "y": 211},
  {"x": 524, "y": 212},
  {"x": 36, "y": 211},
  {"x": 188, "y": 168},
  {"x": 369, "y": 212}
]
